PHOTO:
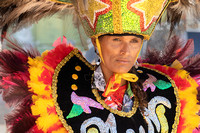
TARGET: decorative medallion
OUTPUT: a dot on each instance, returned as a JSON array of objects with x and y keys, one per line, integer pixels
[
  {"x": 91, "y": 9},
  {"x": 148, "y": 10}
]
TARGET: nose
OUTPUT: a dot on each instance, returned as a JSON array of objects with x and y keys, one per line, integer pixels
[{"x": 124, "y": 48}]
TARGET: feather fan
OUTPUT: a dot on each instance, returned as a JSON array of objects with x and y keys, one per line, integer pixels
[
  {"x": 21, "y": 13},
  {"x": 178, "y": 51},
  {"x": 178, "y": 8},
  {"x": 13, "y": 86}
]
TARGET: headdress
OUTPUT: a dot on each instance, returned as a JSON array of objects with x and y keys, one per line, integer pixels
[{"x": 98, "y": 17}]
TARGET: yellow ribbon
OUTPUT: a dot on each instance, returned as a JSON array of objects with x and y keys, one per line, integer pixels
[
  {"x": 99, "y": 49},
  {"x": 118, "y": 77}
]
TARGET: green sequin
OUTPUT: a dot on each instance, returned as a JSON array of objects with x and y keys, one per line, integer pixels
[
  {"x": 105, "y": 24},
  {"x": 129, "y": 91},
  {"x": 161, "y": 84},
  {"x": 75, "y": 111}
]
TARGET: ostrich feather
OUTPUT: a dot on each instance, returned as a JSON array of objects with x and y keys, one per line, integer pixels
[
  {"x": 154, "y": 56},
  {"x": 186, "y": 51},
  {"x": 192, "y": 65},
  {"x": 21, "y": 120},
  {"x": 20, "y": 13},
  {"x": 13, "y": 85},
  {"x": 179, "y": 8}
]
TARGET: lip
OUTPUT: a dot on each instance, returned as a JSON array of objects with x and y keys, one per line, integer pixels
[{"x": 123, "y": 61}]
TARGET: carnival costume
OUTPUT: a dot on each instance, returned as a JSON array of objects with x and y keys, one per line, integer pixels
[{"x": 60, "y": 91}]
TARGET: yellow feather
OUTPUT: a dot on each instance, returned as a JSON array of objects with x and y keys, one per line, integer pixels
[
  {"x": 41, "y": 105},
  {"x": 47, "y": 121},
  {"x": 61, "y": 130},
  {"x": 192, "y": 120}
]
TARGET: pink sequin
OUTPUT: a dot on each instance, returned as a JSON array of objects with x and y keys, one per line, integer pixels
[{"x": 85, "y": 102}]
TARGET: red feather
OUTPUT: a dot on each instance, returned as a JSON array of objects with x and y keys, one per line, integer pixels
[{"x": 13, "y": 86}]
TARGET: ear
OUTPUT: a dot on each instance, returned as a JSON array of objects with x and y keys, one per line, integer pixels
[{"x": 94, "y": 42}]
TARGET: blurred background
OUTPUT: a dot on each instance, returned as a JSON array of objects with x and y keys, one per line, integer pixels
[{"x": 46, "y": 31}]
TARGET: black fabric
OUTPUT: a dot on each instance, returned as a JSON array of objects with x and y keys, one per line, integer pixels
[{"x": 64, "y": 92}]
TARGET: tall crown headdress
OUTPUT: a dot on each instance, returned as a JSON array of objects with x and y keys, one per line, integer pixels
[{"x": 98, "y": 17}]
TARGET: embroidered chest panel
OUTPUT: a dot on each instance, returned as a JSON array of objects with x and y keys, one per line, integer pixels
[{"x": 82, "y": 109}]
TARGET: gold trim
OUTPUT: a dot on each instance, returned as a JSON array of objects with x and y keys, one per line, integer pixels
[
  {"x": 115, "y": 111},
  {"x": 146, "y": 37},
  {"x": 117, "y": 16},
  {"x": 55, "y": 81},
  {"x": 178, "y": 108},
  {"x": 159, "y": 17}
]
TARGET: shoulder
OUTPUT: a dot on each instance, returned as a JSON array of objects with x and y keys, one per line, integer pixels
[
  {"x": 63, "y": 66},
  {"x": 183, "y": 87}
]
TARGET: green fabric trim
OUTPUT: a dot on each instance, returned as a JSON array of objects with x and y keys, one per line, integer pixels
[
  {"x": 129, "y": 91},
  {"x": 75, "y": 111},
  {"x": 161, "y": 84}
]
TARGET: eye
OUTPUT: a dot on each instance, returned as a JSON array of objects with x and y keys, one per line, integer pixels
[
  {"x": 134, "y": 41},
  {"x": 116, "y": 39}
]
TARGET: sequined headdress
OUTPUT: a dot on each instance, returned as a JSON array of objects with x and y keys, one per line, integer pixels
[
  {"x": 98, "y": 17},
  {"x": 120, "y": 16},
  {"x": 139, "y": 17}
]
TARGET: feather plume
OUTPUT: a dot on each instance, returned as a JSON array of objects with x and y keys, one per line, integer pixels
[
  {"x": 13, "y": 86},
  {"x": 21, "y": 120},
  {"x": 177, "y": 9},
  {"x": 154, "y": 56},
  {"x": 192, "y": 65},
  {"x": 177, "y": 51},
  {"x": 186, "y": 51},
  {"x": 21, "y": 13}
]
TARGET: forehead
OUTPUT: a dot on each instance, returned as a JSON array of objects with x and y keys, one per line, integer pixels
[{"x": 122, "y": 35}]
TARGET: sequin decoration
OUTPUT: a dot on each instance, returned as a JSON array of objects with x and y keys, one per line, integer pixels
[
  {"x": 75, "y": 76},
  {"x": 91, "y": 9},
  {"x": 117, "y": 16},
  {"x": 139, "y": 71},
  {"x": 160, "y": 111},
  {"x": 74, "y": 87},
  {"x": 92, "y": 130},
  {"x": 104, "y": 127},
  {"x": 161, "y": 84},
  {"x": 149, "y": 83},
  {"x": 78, "y": 68},
  {"x": 85, "y": 103},
  {"x": 148, "y": 10},
  {"x": 150, "y": 113},
  {"x": 75, "y": 111}
]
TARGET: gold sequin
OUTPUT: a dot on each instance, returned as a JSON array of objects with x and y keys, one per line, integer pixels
[
  {"x": 78, "y": 68},
  {"x": 93, "y": 130},
  {"x": 160, "y": 111},
  {"x": 75, "y": 76},
  {"x": 139, "y": 71},
  {"x": 117, "y": 18},
  {"x": 74, "y": 87}
]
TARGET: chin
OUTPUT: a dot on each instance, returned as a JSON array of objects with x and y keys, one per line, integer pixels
[{"x": 122, "y": 70}]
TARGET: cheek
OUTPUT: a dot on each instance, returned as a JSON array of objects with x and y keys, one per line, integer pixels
[{"x": 134, "y": 54}]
